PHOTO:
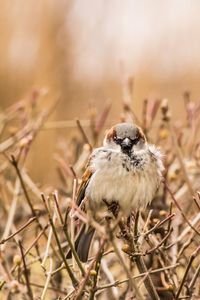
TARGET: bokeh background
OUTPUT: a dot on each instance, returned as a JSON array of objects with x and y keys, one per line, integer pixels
[{"x": 80, "y": 51}]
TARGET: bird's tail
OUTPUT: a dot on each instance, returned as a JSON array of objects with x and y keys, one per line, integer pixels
[{"x": 82, "y": 243}]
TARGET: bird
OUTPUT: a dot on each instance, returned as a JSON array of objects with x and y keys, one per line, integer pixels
[{"x": 125, "y": 171}]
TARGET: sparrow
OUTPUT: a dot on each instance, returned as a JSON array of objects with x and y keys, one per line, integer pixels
[{"x": 126, "y": 170}]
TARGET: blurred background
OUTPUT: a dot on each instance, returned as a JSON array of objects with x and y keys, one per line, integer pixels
[{"x": 80, "y": 52}]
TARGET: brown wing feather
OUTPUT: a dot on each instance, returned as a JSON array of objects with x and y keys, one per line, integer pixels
[
  {"x": 84, "y": 182},
  {"x": 84, "y": 237}
]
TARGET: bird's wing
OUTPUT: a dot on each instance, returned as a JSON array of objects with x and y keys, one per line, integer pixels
[
  {"x": 84, "y": 237},
  {"x": 82, "y": 187}
]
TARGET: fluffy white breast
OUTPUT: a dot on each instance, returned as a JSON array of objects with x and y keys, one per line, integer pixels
[{"x": 130, "y": 182}]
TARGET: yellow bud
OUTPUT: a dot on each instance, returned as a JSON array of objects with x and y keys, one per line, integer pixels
[
  {"x": 23, "y": 142},
  {"x": 155, "y": 220},
  {"x": 63, "y": 265},
  {"x": 93, "y": 272},
  {"x": 35, "y": 207},
  {"x": 12, "y": 130},
  {"x": 126, "y": 248},
  {"x": 172, "y": 176},
  {"x": 190, "y": 165},
  {"x": 17, "y": 259},
  {"x": 164, "y": 133},
  {"x": 162, "y": 212},
  {"x": 170, "y": 287},
  {"x": 86, "y": 147}
]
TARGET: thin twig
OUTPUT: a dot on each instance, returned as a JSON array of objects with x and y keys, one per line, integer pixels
[
  {"x": 180, "y": 158},
  {"x": 47, "y": 280},
  {"x": 131, "y": 280},
  {"x": 118, "y": 282},
  {"x": 26, "y": 273},
  {"x": 83, "y": 282},
  {"x": 71, "y": 275},
  {"x": 192, "y": 257},
  {"x": 159, "y": 224},
  {"x": 180, "y": 209},
  {"x": 85, "y": 138},
  {"x": 194, "y": 278},
  {"x": 19, "y": 230}
]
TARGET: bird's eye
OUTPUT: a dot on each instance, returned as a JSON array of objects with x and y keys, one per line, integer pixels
[
  {"x": 135, "y": 141},
  {"x": 117, "y": 140}
]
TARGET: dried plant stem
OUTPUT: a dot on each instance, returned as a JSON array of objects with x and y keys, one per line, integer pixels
[
  {"x": 2, "y": 284},
  {"x": 148, "y": 282},
  {"x": 11, "y": 211},
  {"x": 15, "y": 164},
  {"x": 95, "y": 276},
  {"x": 116, "y": 250},
  {"x": 48, "y": 242},
  {"x": 31, "y": 246},
  {"x": 180, "y": 209},
  {"x": 192, "y": 257},
  {"x": 71, "y": 275},
  {"x": 185, "y": 231},
  {"x": 139, "y": 259},
  {"x": 116, "y": 283},
  {"x": 26, "y": 274},
  {"x": 79, "y": 295},
  {"x": 49, "y": 288},
  {"x": 72, "y": 218},
  {"x": 147, "y": 221},
  {"x": 110, "y": 276},
  {"x": 87, "y": 219},
  {"x": 85, "y": 138},
  {"x": 71, "y": 243},
  {"x": 74, "y": 251},
  {"x": 159, "y": 224},
  {"x": 14, "y": 139},
  {"x": 47, "y": 280},
  {"x": 180, "y": 158},
  {"x": 194, "y": 278},
  {"x": 159, "y": 244},
  {"x": 19, "y": 230},
  {"x": 64, "y": 124}
]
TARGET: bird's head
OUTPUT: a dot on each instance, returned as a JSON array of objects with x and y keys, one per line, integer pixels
[{"x": 125, "y": 137}]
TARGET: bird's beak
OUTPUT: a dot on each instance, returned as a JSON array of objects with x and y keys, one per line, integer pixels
[{"x": 126, "y": 144}]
